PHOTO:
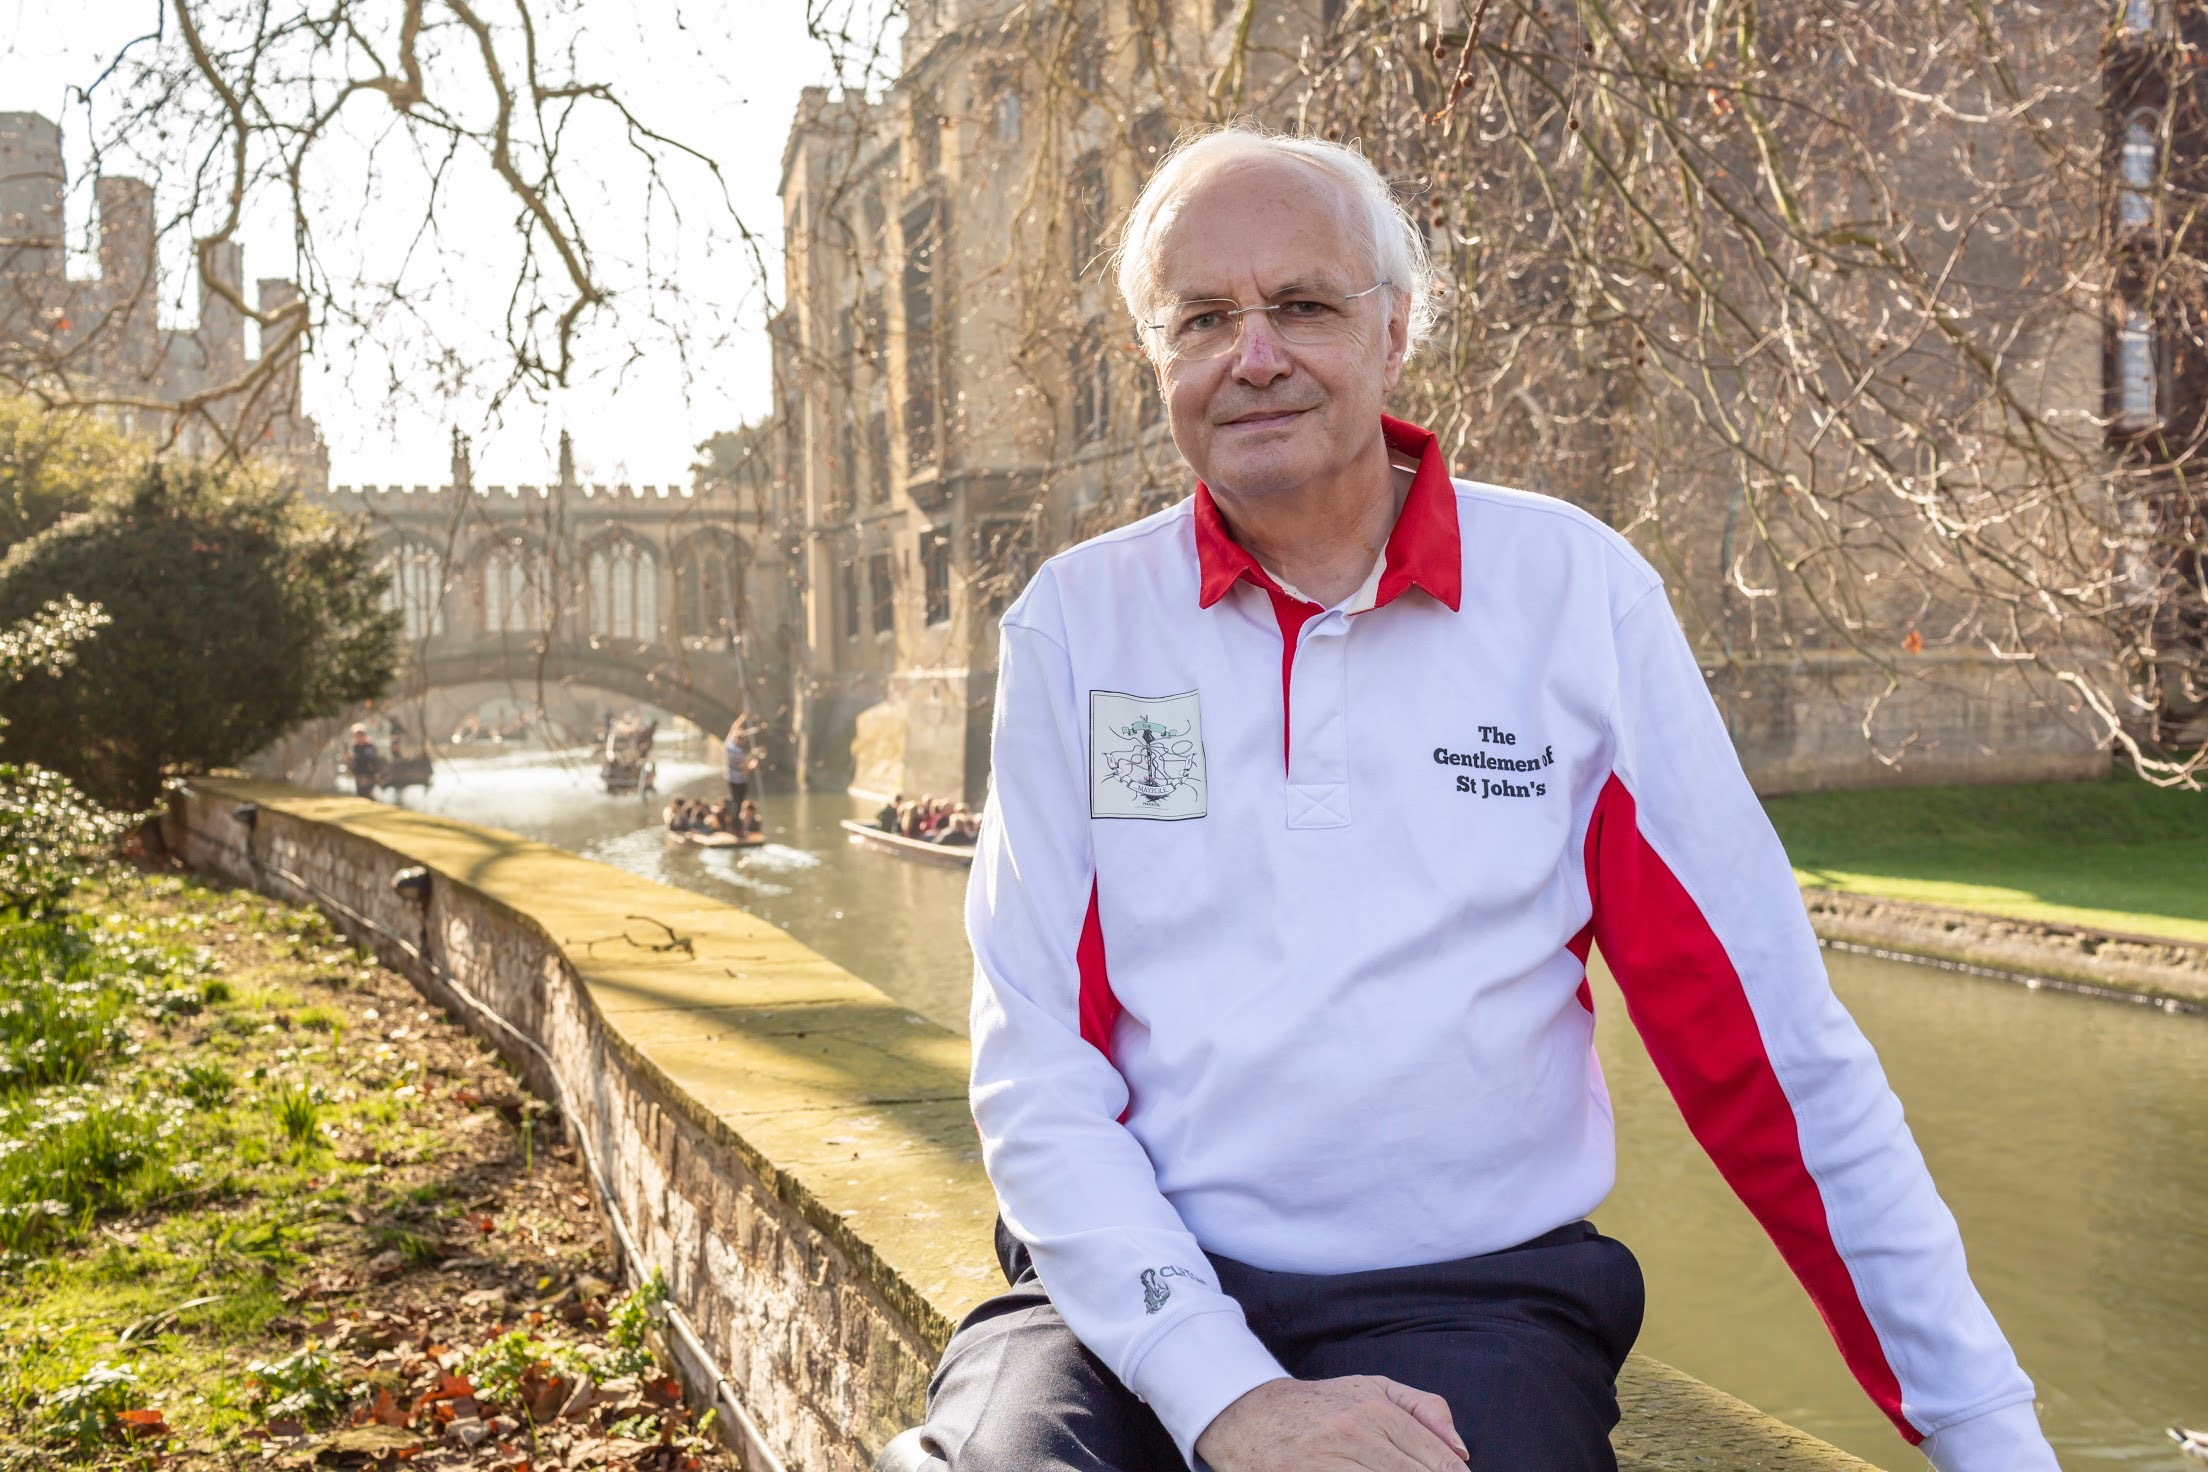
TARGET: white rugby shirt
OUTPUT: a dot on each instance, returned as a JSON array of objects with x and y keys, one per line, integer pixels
[{"x": 1281, "y": 916}]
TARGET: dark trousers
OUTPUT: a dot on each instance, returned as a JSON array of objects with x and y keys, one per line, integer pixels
[
  {"x": 739, "y": 788},
  {"x": 1524, "y": 1344}
]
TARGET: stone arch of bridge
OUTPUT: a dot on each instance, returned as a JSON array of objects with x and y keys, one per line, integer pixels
[
  {"x": 308, "y": 753},
  {"x": 706, "y": 692}
]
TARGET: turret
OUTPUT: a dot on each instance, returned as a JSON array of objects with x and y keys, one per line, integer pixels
[{"x": 221, "y": 325}]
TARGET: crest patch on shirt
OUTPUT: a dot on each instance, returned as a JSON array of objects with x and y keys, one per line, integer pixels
[{"x": 1146, "y": 756}]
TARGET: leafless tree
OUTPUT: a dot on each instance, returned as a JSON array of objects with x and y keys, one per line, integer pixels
[{"x": 1813, "y": 299}]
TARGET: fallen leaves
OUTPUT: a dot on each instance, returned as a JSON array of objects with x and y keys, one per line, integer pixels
[{"x": 143, "y": 1425}]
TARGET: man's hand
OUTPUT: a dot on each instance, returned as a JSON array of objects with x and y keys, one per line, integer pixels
[{"x": 1365, "y": 1422}]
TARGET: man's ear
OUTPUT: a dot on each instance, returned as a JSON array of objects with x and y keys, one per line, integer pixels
[{"x": 1399, "y": 339}]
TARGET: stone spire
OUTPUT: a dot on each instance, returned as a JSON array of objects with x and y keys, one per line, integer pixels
[
  {"x": 463, "y": 462},
  {"x": 567, "y": 462}
]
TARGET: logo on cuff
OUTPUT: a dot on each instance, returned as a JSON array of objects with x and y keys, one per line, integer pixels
[
  {"x": 1154, "y": 1289},
  {"x": 1146, "y": 756}
]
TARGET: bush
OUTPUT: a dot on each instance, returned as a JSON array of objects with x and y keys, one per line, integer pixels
[
  {"x": 238, "y": 612},
  {"x": 49, "y": 833},
  {"x": 53, "y": 464}
]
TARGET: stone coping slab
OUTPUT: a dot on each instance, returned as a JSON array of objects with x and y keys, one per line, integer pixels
[{"x": 762, "y": 1066}]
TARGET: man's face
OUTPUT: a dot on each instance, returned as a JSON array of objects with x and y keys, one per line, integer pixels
[{"x": 1271, "y": 415}]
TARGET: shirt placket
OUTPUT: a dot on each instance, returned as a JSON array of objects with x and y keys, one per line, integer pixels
[{"x": 1318, "y": 724}]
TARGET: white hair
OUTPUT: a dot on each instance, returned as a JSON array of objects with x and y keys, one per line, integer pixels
[{"x": 1398, "y": 246}]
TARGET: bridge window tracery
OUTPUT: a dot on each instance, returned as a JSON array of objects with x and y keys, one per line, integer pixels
[
  {"x": 513, "y": 590},
  {"x": 416, "y": 589},
  {"x": 709, "y": 588},
  {"x": 624, "y": 591}
]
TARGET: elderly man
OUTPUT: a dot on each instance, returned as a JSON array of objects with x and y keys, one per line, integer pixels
[{"x": 1311, "y": 795}]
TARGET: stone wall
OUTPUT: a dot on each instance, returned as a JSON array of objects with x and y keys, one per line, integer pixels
[
  {"x": 788, "y": 1145},
  {"x": 1798, "y": 724}
]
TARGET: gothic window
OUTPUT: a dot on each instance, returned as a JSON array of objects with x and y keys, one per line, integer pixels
[
  {"x": 707, "y": 593},
  {"x": 874, "y": 331},
  {"x": 1082, "y": 54},
  {"x": 881, "y": 587},
  {"x": 923, "y": 228},
  {"x": 927, "y": 134},
  {"x": 847, "y": 451},
  {"x": 877, "y": 452},
  {"x": 1153, "y": 139},
  {"x": 849, "y": 587},
  {"x": 2135, "y": 373},
  {"x": 417, "y": 590},
  {"x": 624, "y": 591},
  {"x": 1091, "y": 371},
  {"x": 513, "y": 589},
  {"x": 935, "y": 573},
  {"x": 1086, "y": 211},
  {"x": 2138, "y": 161}
]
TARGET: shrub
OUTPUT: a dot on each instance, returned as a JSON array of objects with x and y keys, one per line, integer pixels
[
  {"x": 238, "y": 612},
  {"x": 49, "y": 832},
  {"x": 54, "y": 463}
]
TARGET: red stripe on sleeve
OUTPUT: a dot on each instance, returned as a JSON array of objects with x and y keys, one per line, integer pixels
[
  {"x": 1099, "y": 1008},
  {"x": 1685, "y": 997}
]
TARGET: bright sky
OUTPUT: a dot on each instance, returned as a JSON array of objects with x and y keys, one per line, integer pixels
[{"x": 723, "y": 78}]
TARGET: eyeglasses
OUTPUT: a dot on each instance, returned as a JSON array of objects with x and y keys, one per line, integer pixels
[{"x": 1211, "y": 326}]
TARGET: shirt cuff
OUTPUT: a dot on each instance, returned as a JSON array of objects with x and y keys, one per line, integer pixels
[
  {"x": 2006, "y": 1439},
  {"x": 1198, "y": 1368}
]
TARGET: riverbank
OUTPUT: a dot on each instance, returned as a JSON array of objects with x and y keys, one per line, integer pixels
[
  {"x": 262, "y": 1203},
  {"x": 2100, "y": 886},
  {"x": 2119, "y": 856}
]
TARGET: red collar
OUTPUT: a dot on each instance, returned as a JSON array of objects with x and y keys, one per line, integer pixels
[{"x": 1423, "y": 550}]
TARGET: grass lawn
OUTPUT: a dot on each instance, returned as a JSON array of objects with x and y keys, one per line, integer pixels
[
  {"x": 260, "y": 1205},
  {"x": 2115, "y": 855}
]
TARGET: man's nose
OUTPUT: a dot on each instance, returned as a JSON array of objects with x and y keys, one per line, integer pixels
[{"x": 1259, "y": 356}]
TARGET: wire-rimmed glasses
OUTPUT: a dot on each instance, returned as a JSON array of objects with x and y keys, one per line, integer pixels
[{"x": 1208, "y": 327}]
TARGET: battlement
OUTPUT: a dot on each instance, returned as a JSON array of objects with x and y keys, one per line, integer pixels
[{"x": 673, "y": 491}]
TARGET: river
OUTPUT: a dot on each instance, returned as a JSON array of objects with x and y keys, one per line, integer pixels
[{"x": 2068, "y": 1134}]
